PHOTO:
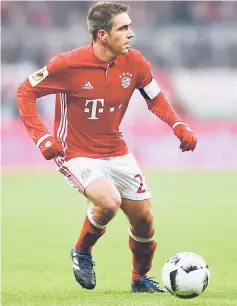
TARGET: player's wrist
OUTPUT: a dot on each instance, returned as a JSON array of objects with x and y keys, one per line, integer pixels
[
  {"x": 180, "y": 123},
  {"x": 41, "y": 139}
]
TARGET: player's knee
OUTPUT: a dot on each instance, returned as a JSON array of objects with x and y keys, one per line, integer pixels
[
  {"x": 110, "y": 204},
  {"x": 143, "y": 226}
]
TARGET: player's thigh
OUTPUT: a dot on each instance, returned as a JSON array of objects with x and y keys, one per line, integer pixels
[
  {"x": 139, "y": 215},
  {"x": 103, "y": 193},
  {"x": 127, "y": 176},
  {"x": 88, "y": 177},
  {"x": 80, "y": 172}
]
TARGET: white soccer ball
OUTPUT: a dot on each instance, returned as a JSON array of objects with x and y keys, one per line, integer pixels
[{"x": 186, "y": 275}]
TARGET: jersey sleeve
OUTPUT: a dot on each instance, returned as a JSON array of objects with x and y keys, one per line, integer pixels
[
  {"x": 146, "y": 84},
  {"x": 51, "y": 79},
  {"x": 155, "y": 99}
]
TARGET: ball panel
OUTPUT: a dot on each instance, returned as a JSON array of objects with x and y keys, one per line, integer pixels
[
  {"x": 167, "y": 269},
  {"x": 206, "y": 280},
  {"x": 190, "y": 296},
  {"x": 173, "y": 279},
  {"x": 190, "y": 267},
  {"x": 192, "y": 281}
]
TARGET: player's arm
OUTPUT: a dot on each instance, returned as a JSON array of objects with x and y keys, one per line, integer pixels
[
  {"x": 158, "y": 104},
  {"x": 50, "y": 79}
]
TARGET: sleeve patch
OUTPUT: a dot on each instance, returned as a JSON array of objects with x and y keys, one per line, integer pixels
[
  {"x": 38, "y": 76},
  {"x": 151, "y": 90}
]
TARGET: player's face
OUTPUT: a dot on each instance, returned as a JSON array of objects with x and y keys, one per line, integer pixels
[{"x": 119, "y": 39}]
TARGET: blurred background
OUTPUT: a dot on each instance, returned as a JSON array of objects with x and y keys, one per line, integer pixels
[{"x": 192, "y": 47}]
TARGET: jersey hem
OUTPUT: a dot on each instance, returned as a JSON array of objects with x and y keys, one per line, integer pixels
[{"x": 96, "y": 156}]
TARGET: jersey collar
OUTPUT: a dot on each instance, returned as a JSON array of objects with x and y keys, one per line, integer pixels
[{"x": 98, "y": 61}]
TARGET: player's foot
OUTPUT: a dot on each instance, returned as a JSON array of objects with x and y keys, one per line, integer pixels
[
  {"x": 83, "y": 268},
  {"x": 146, "y": 284}
]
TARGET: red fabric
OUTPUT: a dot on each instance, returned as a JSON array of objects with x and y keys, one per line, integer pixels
[
  {"x": 51, "y": 148},
  {"x": 187, "y": 137},
  {"x": 91, "y": 99},
  {"x": 163, "y": 109},
  {"x": 142, "y": 256},
  {"x": 88, "y": 237}
]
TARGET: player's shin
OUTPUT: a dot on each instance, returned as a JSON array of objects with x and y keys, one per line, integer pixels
[
  {"x": 90, "y": 233},
  {"x": 143, "y": 250}
]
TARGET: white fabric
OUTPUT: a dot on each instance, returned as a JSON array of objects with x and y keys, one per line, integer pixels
[
  {"x": 122, "y": 171},
  {"x": 180, "y": 122},
  {"x": 152, "y": 89},
  {"x": 139, "y": 239},
  {"x": 92, "y": 220},
  {"x": 63, "y": 126},
  {"x": 41, "y": 139}
]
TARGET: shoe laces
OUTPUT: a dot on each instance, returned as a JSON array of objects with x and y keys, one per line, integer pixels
[
  {"x": 149, "y": 281},
  {"x": 84, "y": 259}
]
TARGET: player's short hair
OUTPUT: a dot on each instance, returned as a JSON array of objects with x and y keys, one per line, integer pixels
[{"x": 101, "y": 14}]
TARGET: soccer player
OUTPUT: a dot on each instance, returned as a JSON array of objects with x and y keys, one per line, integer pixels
[{"x": 93, "y": 85}]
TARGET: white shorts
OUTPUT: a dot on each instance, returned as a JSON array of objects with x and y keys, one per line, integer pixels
[{"x": 122, "y": 171}]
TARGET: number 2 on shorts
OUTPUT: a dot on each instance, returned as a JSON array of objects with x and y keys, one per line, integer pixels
[{"x": 141, "y": 189}]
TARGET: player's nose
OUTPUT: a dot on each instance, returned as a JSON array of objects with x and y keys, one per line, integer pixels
[{"x": 130, "y": 34}]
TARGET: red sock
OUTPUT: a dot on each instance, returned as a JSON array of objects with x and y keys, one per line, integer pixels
[
  {"x": 90, "y": 233},
  {"x": 143, "y": 252}
]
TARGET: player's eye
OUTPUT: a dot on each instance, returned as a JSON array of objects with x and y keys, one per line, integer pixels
[{"x": 125, "y": 28}]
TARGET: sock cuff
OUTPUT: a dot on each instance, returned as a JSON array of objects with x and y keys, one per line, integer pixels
[
  {"x": 92, "y": 220},
  {"x": 139, "y": 239}
]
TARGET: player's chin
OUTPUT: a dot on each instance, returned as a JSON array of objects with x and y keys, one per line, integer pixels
[{"x": 125, "y": 50}]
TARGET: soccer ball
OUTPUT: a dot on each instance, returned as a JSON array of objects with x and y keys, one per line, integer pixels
[{"x": 186, "y": 275}]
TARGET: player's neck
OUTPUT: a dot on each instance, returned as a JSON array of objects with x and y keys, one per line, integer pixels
[{"x": 103, "y": 53}]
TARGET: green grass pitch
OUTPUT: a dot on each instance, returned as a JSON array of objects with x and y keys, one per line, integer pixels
[{"x": 42, "y": 217}]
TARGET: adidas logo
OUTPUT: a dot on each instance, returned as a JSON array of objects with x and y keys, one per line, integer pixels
[{"x": 87, "y": 86}]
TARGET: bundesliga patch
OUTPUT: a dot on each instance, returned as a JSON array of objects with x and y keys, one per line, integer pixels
[
  {"x": 126, "y": 79},
  {"x": 36, "y": 77}
]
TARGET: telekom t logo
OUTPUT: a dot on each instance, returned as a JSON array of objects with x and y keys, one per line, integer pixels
[{"x": 95, "y": 108}]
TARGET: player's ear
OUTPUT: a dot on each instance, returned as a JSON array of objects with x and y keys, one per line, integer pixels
[{"x": 102, "y": 35}]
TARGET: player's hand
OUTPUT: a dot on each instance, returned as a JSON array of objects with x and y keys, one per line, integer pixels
[
  {"x": 186, "y": 136},
  {"x": 51, "y": 148}
]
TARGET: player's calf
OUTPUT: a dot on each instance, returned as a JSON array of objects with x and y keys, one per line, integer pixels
[{"x": 143, "y": 250}]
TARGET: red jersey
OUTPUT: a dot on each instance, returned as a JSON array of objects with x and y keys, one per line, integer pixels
[{"x": 91, "y": 99}]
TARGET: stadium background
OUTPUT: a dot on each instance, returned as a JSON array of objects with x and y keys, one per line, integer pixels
[{"x": 192, "y": 47}]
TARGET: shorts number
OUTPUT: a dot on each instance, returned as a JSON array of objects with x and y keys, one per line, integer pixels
[{"x": 141, "y": 188}]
